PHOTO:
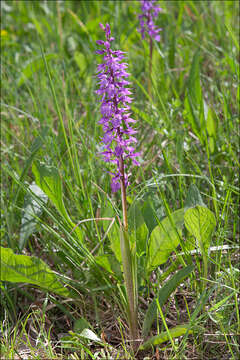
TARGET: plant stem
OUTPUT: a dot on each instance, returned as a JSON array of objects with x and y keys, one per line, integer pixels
[
  {"x": 123, "y": 192},
  {"x": 150, "y": 66},
  {"x": 128, "y": 263},
  {"x": 205, "y": 270}
]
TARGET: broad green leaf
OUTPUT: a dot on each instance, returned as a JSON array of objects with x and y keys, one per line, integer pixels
[
  {"x": 149, "y": 215},
  {"x": 211, "y": 123},
  {"x": 137, "y": 228},
  {"x": 48, "y": 179},
  {"x": 33, "y": 66},
  {"x": 194, "y": 105},
  {"x": 163, "y": 337},
  {"x": 150, "y": 208},
  {"x": 194, "y": 86},
  {"x": 200, "y": 222},
  {"x": 191, "y": 116},
  {"x": 114, "y": 237},
  {"x": 193, "y": 197},
  {"x": 31, "y": 270},
  {"x": 164, "y": 239},
  {"x": 32, "y": 210},
  {"x": 211, "y": 143},
  {"x": 140, "y": 237},
  {"x": 163, "y": 296},
  {"x": 109, "y": 263}
]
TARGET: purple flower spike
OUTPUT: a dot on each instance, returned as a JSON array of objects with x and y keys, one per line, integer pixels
[
  {"x": 116, "y": 119},
  {"x": 149, "y": 11}
]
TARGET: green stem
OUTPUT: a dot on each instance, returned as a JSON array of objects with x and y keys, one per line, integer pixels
[
  {"x": 128, "y": 263},
  {"x": 150, "y": 67},
  {"x": 205, "y": 270},
  {"x": 130, "y": 288}
]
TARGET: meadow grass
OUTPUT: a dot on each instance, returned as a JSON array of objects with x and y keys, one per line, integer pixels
[{"x": 50, "y": 114}]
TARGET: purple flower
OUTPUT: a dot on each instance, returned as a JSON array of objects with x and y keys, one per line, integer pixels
[
  {"x": 116, "y": 119},
  {"x": 149, "y": 11}
]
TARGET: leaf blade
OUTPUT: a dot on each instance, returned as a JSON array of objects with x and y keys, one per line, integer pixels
[
  {"x": 200, "y": 222},
  {"x": 32, "y": 210},
  {"x": 163, "y": 337},
  {"x": 29, "y": 269},
  {"x": 164, "y": 239},
  {"x": 163, "y": 295}
]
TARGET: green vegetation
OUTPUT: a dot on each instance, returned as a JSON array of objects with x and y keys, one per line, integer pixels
[{"x": 62, "y": 292}]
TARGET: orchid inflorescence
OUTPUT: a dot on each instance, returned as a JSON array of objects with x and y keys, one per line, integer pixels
[
  {"x": 118, "y": 139},
  {"x": 149, "y": 11}
]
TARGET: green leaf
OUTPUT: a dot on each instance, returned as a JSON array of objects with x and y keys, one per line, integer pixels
[
  {"x": 193, "y": 197},
  {"x": 33, "y": 66},
  {"x": 220, "y": 303},
  {"x": 114, "y": 237},
  {"x": 140, "y": 237},
  {"x": 211, "y": 123},
  {"x": 31, "y": 270},
  {"x": 162, "y": 337},
  {"x": 48, "y": 179},
  {"x": 149, "y": 215},
  {"x": 194, "y": 86},
  {"x": 35, "y": 147},
  {"x": 80, "y": 325},
  {"x": 163, "y": 296},
  {"x": 194, "y": 106},
  {"x": 32, "y": 211},
  {"x": 109, "y": 263},
  {"x": 211, "y": 143},
  {"x": 164, "y": 239},
  {"x": 113, "y": 233},
  {"x": 137, "y": 228},
  {"x": 200, "y": 222},
  {"x": 191, "y": 115}
]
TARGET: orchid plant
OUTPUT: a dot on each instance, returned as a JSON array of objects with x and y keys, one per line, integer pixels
[
  {"x": 119, "y": 149},
  {"x": 150, "y": 10},
  {"x": 118, "y": 141}
]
